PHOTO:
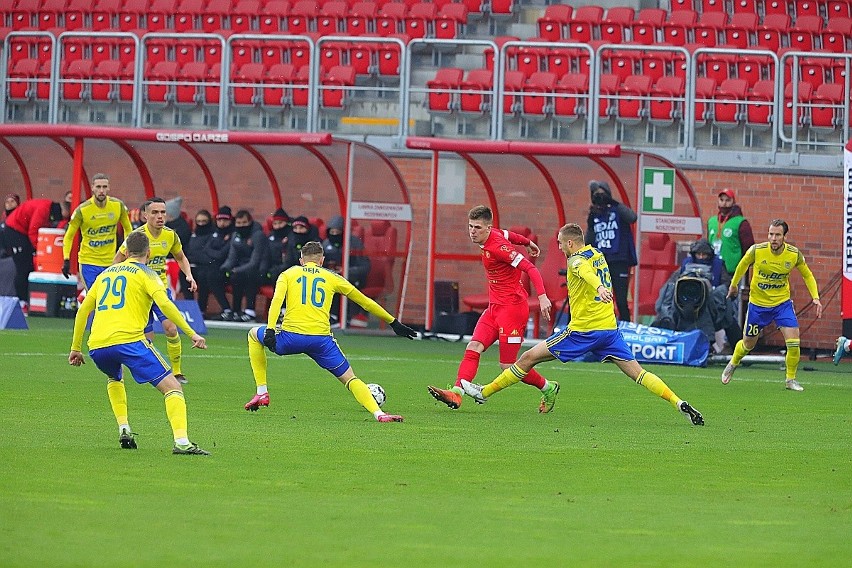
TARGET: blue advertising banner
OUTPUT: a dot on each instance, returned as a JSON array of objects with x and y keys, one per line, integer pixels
[
  {"x": 655, "y": 345},
  {"x": 190, "y": 311},
  {"x": 11, "y": 316}
]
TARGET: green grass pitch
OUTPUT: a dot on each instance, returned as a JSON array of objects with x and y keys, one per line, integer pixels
[{"x": 613, "y": 477}]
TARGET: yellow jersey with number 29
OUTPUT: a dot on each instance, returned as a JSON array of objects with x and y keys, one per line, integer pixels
[{"x": 588, "y": 270}]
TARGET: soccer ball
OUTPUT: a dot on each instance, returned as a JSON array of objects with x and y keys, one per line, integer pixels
[{"x": 378, "y": 393}]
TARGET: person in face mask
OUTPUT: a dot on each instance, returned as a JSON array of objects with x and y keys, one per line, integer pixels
[
  {"x": 359, "y": 263},
  {"x": 301, "y": 234},
  {"x": 276, "y": 247},
  {"x": 201, "y": 262},
  {"x": 244, "y": 263},
  {"x": 12, "y": 202},
  {"x": 728, "y": 231},
  {"x": 608, "y": 230},
  {"x": 217, "y": 248}
]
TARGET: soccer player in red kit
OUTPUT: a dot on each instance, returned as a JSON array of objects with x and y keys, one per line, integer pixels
[{"x": 506, "y": 317}]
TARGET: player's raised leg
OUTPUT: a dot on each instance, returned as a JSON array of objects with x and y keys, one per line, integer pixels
[
  {"x": 257, "y": 357},
  {"x": 656, "y": 385},
  {"x": 362, "y": 394}
]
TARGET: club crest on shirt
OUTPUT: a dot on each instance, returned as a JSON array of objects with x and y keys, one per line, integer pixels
[{"x": 787, "y": 265}]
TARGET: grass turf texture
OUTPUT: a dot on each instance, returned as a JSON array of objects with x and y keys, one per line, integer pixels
[{"x": 614, "y": 476}]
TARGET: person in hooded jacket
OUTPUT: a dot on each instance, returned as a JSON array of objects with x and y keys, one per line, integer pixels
[
  {"x": 243, "y": 264},
  {"x": 608, "y": 230},
  {"x": 199, "y": 260},
  {"x": 217, "y": 249},
  {"x": 276, "y": 247},
  {"x": 302, "y": 232}
]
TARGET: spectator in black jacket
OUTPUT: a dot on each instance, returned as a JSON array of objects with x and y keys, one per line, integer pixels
[
  {"x": 243, "y": 264},
  {"x": 359, "y": 263},
  {"x": 276, "y": 247},
  {"x": 176, "y": 222},
  {"x": 301, "y": 233},
  {"x": 217, "y": 249},
  {"x": 196, "y": 251}
]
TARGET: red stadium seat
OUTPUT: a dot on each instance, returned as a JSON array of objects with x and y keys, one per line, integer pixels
[
  {"x": 246, "y": 84},
  {"x": 633, "y": 95},
  {"x": 76, "y": 79},
  {"x": 361, "y": 19},
  {"x": 451, "y": 21},
  {"x": 160, "y": 82},
  {"x": 475, "y": 95},
  {"x": 648, "y": 26},
  {"x": 513, "y": 85},
  {"x": 775, "y": 7},
  {"x": 760, "y": 101},
  {"x": 380, "y": 245},
  {"x": 332, "y": 17},
  {"x": 614, "y": 27},
  {"x": 273, "y": 17},
  {"x": 727, "y": 103},
  {"x": 188, "y": 15},
  {"x": 391, "y": 19},
  {"x": 537, "y": 100},
  {"x": 705, "y": 88},
  {"x": 442, "y": 96},
  {"x": 553, "y": 25},
  {"x": 802, "y": 99},
  {"x": 666, "y": 104},
  {"x": 709, "y": 28},
  {"x": 827, "y": 108},
  {"x": 739, "y": 30},
  {"x": 302, "y": 17},
  {"x": 189, "y": 90},
  {"x": 419, "y": 20},
  {"x": 572, "y": 95},
  {"x": 23, "y": 14},
  {"x": 159, "y": 14},
  {"x": 50, "y": 13},
  {"x": 335, "y": 95},
  {"x": 837, "y": 35},
  {"x": 678, "y": 27},
  {"x": 215, "y": 16},
  {"x": 20, "y": 84},
  {"x": 657, "y": 264},
  {"x": 105, "y": 77},
  {"x": 244, "y": 15},
  {"x": 805, "y": 34},
  {"x": 77, "y": 14},
  {"x": 838, "y": 9},
  {"x": 774, "y": 33},
  {"x": 584, "y": 22},
  {"x": 276, "y": 92}
]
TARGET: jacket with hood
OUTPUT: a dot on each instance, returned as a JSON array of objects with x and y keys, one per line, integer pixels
[{"x": 608, "y": 227}]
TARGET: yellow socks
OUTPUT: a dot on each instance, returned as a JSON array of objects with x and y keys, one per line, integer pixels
[
  {"x": 118, "y": 401},
  {"x": 176, "y": 412},
  {"x": 257, "y": 357},
  {"x": 656, "y": 385},
  {"x": 740, "y": 351},
  {"x": 507, "y": 378},
  {"x": 791, "y": 359},
  {"x": 174, "y": 350},
  {"x": 362, "y": 394}
]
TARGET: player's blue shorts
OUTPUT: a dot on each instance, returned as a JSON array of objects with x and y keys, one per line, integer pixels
[
  {"x": 757, "y": 317},
  {"x": 155, "y": 310},
  {"x": 146, "y": 364},
  {"x": 90, "y": 272},
  {"x": 567, "y": 345},
  {"x": 321, "y": 348}
]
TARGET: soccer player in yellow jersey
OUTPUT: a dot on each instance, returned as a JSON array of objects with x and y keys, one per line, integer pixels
[
  {"x": 164, "y": 241},
  {"x": 592, "y": 329},
  {"x": 121, "y": 298},
  {"x": 97, "y": 219},
  {"x": 306, "y": 291},
  {"x": 769, "y": 298}
]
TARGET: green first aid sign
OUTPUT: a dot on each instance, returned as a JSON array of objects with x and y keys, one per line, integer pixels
[{"x": 658, "y": 190}]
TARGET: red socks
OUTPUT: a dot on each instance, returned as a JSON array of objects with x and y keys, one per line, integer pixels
[{"x": 468, "y": 366}]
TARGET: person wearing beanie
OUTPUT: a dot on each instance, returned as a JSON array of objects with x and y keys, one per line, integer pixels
[
  {"x": 731, "y": 236},
  {"x": 728, "y": 231},
  {"x": 301, "y": 233},
  {"x": 21, "y": 236},
  {"x": 243, "y": 264},
  {"x": 276, "y": 247},
  {"x": 217, "y": 248},
  {"x": 608, "y": 230}
]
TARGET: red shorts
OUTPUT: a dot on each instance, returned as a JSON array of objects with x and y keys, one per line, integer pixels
[{"x": 506, "y": 323}]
